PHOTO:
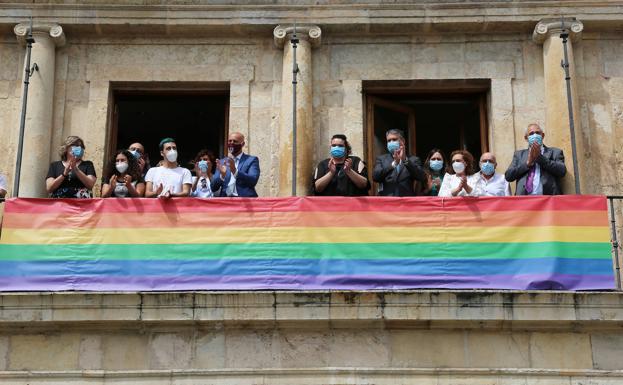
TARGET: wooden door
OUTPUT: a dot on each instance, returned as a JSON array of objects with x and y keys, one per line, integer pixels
[{"x": 382, "y": 115}]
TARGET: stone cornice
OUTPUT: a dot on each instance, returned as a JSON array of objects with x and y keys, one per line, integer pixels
[
  {"x": 312, "y": 33},
  {"x": 117, "y": 17},
  {"x": 550, "y": 27},
  {"x": 54, "y": 31}
]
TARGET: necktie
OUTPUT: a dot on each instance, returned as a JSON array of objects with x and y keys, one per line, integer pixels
[{"x": 530, "y": 179}]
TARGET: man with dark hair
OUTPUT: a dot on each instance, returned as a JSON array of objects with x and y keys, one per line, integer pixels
[
  {"x": 138, "y": 150},
  {"x": 538, "y": 168},
  {"x": 168, "y": 180},
  {"x": 396, "y": 172}
]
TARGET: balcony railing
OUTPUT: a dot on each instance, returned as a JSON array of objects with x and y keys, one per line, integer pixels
[{"x": 310, "y": 243}]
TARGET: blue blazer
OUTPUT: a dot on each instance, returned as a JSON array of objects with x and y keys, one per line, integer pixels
[{"x": 248, "y": 175}]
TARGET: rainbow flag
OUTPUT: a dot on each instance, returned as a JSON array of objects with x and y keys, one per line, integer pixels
[{"x": 306, "y": 243}]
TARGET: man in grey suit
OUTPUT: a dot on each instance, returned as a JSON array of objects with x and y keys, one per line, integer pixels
[
  {"x": 396, "y": 172},
  {"x": 538, "y": 168}
]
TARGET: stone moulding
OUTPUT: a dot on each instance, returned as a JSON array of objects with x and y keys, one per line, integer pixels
[{"x": 470, "y": 308}]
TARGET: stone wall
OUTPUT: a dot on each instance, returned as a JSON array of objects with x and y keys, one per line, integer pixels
[
  {"x": 405, "y": 337},
  {"x": 241, "y": 51}
]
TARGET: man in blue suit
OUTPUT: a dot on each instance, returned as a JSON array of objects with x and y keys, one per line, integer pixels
[{"x": 238, "y": 172}]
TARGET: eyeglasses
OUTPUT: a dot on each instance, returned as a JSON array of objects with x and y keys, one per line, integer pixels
[
  {"x": 534, "y": 132},
  {"x": 487, "y": 161}
]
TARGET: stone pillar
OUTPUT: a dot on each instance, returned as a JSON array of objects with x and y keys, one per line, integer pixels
[
  {"x": 557, "y": 134},
  {"x": 309, "y": 36},
  {"x": 38, "y": 128}
]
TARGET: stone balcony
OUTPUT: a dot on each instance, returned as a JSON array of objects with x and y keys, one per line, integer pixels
[{"x": 389, "y": 337}]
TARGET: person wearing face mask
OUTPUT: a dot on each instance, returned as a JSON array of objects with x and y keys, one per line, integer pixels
[
  {"x": 538, "y": 168},
  {"x": 342, "y": 174},
  {"x": 434, "y": 166},
  {"x": 490, "y": 183},
  {"x": 202, "y": 181},
  {"x": 396, "y": 172},
  {"x": 122, "y": 178},
  {"x": 71, "y": 177},
  {"x": 460, "y": 179},
  {"x": 138, "y": 151},
  {"x": 168, "y": 180},
  {"x": 238, "y": 173}
]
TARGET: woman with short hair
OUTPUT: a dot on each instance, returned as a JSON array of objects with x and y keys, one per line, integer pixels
[
  {"x": 460, "y": 178},
  {"x": 71, "y": 177}
]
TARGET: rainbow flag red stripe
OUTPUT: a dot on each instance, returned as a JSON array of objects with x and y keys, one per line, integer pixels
[{"x": 306, "y": 243}]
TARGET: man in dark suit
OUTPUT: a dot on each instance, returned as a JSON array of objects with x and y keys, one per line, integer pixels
[
  {"x": 238, "y": 172},
  {"x": 538, "y": 168},
  {"x": 396, "y": 172}
]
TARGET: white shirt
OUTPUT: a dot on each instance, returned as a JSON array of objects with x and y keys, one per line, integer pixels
[
  {"x": 230, "y": 190},
  {"x": 200, "y": 191},
  {"x": 3, "y": 185},
  {"x": 494, "y": 186},
  {"x": 172, "y": 179},
  {"x": 537, "y": 186},
  {"x": 451, "y": 181}
]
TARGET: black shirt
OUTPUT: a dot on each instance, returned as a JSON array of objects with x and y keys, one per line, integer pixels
[
  {"x": 340, "y": 184},
  {"x": 72, "y": 186}
]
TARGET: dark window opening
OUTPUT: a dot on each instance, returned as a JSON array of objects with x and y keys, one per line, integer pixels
[
  {"x": 195, "y": 120},
  {"x": 447, "y": 118}
]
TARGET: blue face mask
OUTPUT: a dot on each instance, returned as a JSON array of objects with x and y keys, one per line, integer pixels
[
  {"x": 203, "y": 166},
  {"x": 393, "y": 146},
  {"x": 436, "y": 164},
  {"x": 535, "y": 138},
  {"x": 135, "y": 153},
  {"x": 77, "y": 151},
  {"x": 487, "y": 168},
  {"x": 338, "y": 151}
]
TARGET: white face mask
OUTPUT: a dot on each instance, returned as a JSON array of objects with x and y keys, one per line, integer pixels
[
  {"x": 122, "y": 167},
  {"x": 458, "y": 167},
  {"x": 172, "y": 156}
]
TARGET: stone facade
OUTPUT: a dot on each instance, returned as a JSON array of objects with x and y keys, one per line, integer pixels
[{"x": 84, "y": 48}]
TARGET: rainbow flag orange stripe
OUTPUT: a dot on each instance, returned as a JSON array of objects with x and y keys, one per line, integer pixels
[{"x": 306, "y": 243}]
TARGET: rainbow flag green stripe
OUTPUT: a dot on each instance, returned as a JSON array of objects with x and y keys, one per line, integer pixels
[
  {"x": 306, "y": 243},
  {"x": 328, "y": 251}
]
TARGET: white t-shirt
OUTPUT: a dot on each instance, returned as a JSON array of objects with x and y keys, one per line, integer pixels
[
  {"x": 172, "y": 179},
  {"x": 3, "y": 185},
  {"x": 201, "y": 191}
]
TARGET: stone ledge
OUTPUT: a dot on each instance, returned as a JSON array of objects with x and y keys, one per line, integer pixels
[
  {"x": 548, "y": 309},
  {"x": 336, "y": 373}
]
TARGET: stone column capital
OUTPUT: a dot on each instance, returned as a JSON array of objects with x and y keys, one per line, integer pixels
[
  {"x": 54, "y": 31},
  {"x": 311, "y": 33},
  {"x": 546, "y": 28}
]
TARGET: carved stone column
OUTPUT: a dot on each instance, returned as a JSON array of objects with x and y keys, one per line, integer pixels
[
  {"x": 309, "y": 37},
  {"x": 38, "y": 128},
  {"x": 557, "y": 134}
]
